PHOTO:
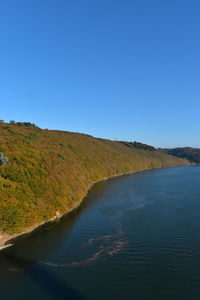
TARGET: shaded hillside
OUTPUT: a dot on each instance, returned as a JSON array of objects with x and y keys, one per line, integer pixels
[
  {"x": 192, "y": 154},
  {"x": 49, "y": 172}
]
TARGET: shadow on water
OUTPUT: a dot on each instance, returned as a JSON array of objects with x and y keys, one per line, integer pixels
[
  {"x": 25, "y": 257},
  {"x": 46, "y": 280},
  {"x": 27, "y": 252},
  {"x": 48, "y": 238}
]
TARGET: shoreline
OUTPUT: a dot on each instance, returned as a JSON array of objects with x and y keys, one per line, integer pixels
[{"x": 7, "y": 240}]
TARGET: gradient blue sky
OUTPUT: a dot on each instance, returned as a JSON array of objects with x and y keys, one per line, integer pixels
[{"x": 119, "y": 69}]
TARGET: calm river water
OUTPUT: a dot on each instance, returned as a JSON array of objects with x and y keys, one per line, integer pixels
[{"x": 134, "y": 237}]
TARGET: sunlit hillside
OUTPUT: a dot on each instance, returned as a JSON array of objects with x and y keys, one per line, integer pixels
[{"x": 49, "y": 172}]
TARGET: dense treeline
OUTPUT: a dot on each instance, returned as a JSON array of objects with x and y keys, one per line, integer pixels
[
  {"x": 48, "y": 172},
  {"x": 20, "y": 123},
  {"x": 138, "y": 145},
  {"x": 192, "y": 154}
]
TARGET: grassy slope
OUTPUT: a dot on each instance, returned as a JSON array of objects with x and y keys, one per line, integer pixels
[{"x": 50, "y": 172}]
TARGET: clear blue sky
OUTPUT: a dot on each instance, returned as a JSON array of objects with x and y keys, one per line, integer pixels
[{"x": 119, "y": 69}]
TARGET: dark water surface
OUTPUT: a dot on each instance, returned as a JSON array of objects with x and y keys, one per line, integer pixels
[{"x": 134, "y": 237}]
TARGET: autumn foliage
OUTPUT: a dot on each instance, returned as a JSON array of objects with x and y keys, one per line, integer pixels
[{"x": 49, "y": 171}]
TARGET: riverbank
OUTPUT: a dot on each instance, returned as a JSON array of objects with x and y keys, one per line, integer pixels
[
  {"x": 124, "y": 224},
  {"x": 8, "y": 240}
]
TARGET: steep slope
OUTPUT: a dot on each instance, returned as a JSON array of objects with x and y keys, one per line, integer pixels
[{"x": 49, "y": 172}]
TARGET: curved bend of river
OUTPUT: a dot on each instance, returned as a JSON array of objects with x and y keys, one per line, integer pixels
[{"x": 134, "y": 237}]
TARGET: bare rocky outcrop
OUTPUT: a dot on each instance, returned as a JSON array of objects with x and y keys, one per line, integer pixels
[{"x": 3, "y": 159}]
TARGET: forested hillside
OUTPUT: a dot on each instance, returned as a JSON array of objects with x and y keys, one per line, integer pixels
[
  {"x": 192, "y": 154},
  {"x": 46, "y": 173}
]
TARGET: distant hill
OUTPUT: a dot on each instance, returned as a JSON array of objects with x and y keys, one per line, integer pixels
[
  {"x": 192, "y": 154},
  {"x": 45, "y": 173}
]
